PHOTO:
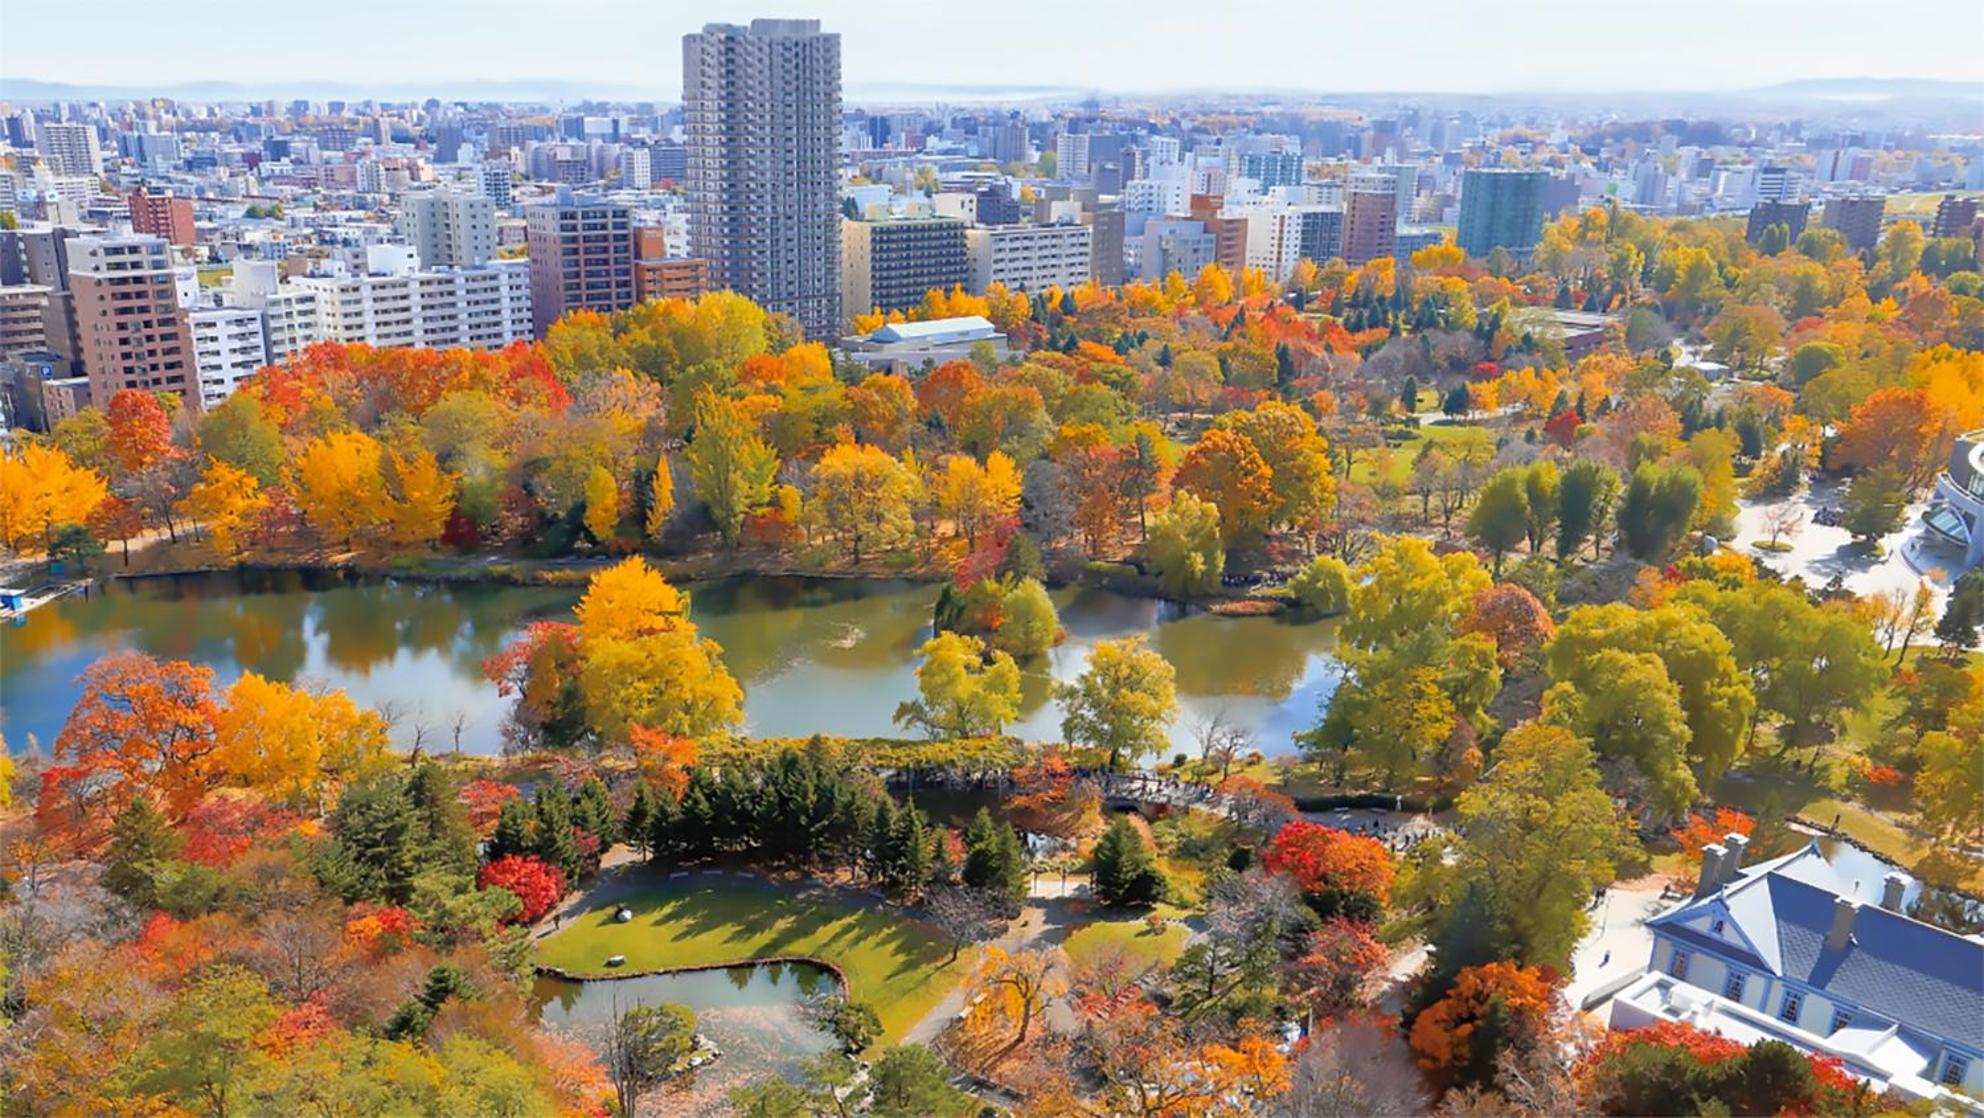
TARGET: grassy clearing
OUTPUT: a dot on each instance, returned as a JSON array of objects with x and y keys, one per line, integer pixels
[
  {"x": 894, "y": 964},
  {"x": 1141, "y": 946},
  {"x": 1398, "y": 467}
]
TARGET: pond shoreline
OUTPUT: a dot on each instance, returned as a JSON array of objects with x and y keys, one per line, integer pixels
[
  {"x": 814, "y": 654},
  {"x": 564, "y": 975},
  {"x": 495, "y": 570}
]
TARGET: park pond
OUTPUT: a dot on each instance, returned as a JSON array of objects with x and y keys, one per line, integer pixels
[
  {"x": 751, "y": 1013},
  {"x": 832, "y": 656}
]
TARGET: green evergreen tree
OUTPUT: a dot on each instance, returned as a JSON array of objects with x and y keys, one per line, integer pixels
[
  {"x": 637, "y": 825},
  {"x": 1121, "y": 871},
  {"x": 515, "y": 821},
  {"x": 592, "y": 811},
  {"x": 142, "y": 841}
]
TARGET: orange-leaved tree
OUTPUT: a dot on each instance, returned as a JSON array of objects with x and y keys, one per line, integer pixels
[
  {"x": 141, "y": 727},
  {"x": 1490, "y": 1009}
]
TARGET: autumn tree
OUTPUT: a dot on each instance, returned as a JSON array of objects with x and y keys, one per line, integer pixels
[
  {"x": 1322, "y": 589},
  {"x": 602, "y": 517},
  {"x": 41, "y": 489},
  {"x": 730, "y": 466},
  {"x": 537, "y": 885},
  {"x": 1340, "y": 873},
  {"x": 863, "y": 496},
  {"x": 1297, "y": 458},
  {"x": 661, "y": 499},
  {"x": 228, "y": 501},
  {"x": 1415, "y": 675},
  {"x": 1225, "y": 469},
  {"x": 338, "y": 484},
  {"x": 1009, "y": 993},
  {"x": 418, "y": 497},
  {"x": 973, "y": 496},
  {"x": 140, "y": 431},
  {"x": 1122, "y": 703},
  {"x": 1186, "y": 546},
  {"x": 1491, "y": 1009},
  {"x": 642, "y": 661},
  {"x": 963, "y": 692},
  {"x": 142, "y": 727},
  {"x": 294, "y": 744},
  {"x": 1512, "y": 617}
]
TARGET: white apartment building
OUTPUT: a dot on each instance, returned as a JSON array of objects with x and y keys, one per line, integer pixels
[
  {"x": 498, "y": 179},
  {"x": 289, "y": 312},
  {"x": 289, "y": 321},
  {"x": 228, "y": 347},
  {"x": 487, "y": 307},
  {"x": 1071, "y": 155},
  {"x": 636, "y": 168},
  {"x": 1029, "y": 257},
  {"x": 1157, "y": 197},
  {"x": 448, "y": 229},
  {"x": 70, "y": 149},
  {"x": 1274, "y": 237}
]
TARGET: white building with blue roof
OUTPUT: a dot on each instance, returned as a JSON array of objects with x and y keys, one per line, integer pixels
[{"x": 1784, "y": 951}]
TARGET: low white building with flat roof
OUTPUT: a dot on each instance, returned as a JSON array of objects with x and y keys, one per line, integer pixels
[{"x": 905, "y": 347}]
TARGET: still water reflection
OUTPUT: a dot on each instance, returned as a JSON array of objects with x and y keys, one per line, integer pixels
[
  {"x": 814, "y": 655},
  {"x": 752, "y": 1014}
]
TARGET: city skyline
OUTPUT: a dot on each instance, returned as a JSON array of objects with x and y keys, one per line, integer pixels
[{"x": 1047, "y": 50}]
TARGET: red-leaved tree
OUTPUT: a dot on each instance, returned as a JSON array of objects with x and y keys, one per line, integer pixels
[{"x": 535, "y": 883}]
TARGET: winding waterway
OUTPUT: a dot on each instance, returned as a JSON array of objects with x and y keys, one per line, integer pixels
[{"x": 830, "y": 656}]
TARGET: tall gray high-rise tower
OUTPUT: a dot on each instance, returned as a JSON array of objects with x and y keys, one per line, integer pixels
[{"x": 761, "y": 121}]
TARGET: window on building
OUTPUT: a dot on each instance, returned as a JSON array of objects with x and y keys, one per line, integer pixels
[
  {"x": 1839, "y": 1019},
  {"x": 1678, "y": 965},
  {"x": 1716, "y": 927},
  {"x": 1732, "y": 987},
  {"x": 1793, "y": 1005},
  {"x": 1955, "y": 1069}
]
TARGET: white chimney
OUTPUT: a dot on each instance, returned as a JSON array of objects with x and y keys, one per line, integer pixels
[
  {"x": 1844, "y": 909},
  {"x": 1893, "y": 887},
  {"x": 1711, "y": 875},
  {"x": 1738, "y": 846}
]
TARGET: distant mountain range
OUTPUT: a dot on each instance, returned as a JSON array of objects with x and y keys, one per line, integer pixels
[{"x": 565, "y": 91}]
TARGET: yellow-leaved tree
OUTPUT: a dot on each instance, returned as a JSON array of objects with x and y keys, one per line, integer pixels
[
  {"x": 602, "y": 505},
  {"x": 41, "y": 489},
  {"x": 419, "y": 498},
  {"x": 294, "y": 744},
  {"x": 661, "y": 499},
  {"x": 227, "y": 500},
  {"x": 974, "y": 496},
  {"x": 338, "y": 486},
  {"x": 643, "y": 663},
  {"x": 863, "y": 496}
]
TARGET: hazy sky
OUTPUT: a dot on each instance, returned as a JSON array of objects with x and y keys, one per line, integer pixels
[{"x": 1444, "y": 45}]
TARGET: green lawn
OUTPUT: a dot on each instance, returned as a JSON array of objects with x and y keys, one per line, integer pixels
[
  {"x": 894, "y": 964},
  {"x": 1363, "y": 469},
  {"x": 1133, "y": 937}
]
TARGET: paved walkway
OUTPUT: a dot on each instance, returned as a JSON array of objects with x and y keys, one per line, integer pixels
[
  {"x": 1819, "y": 552},
  {"x": 1618, "y": 943},
  {"x": 1048, "y": 919}
]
